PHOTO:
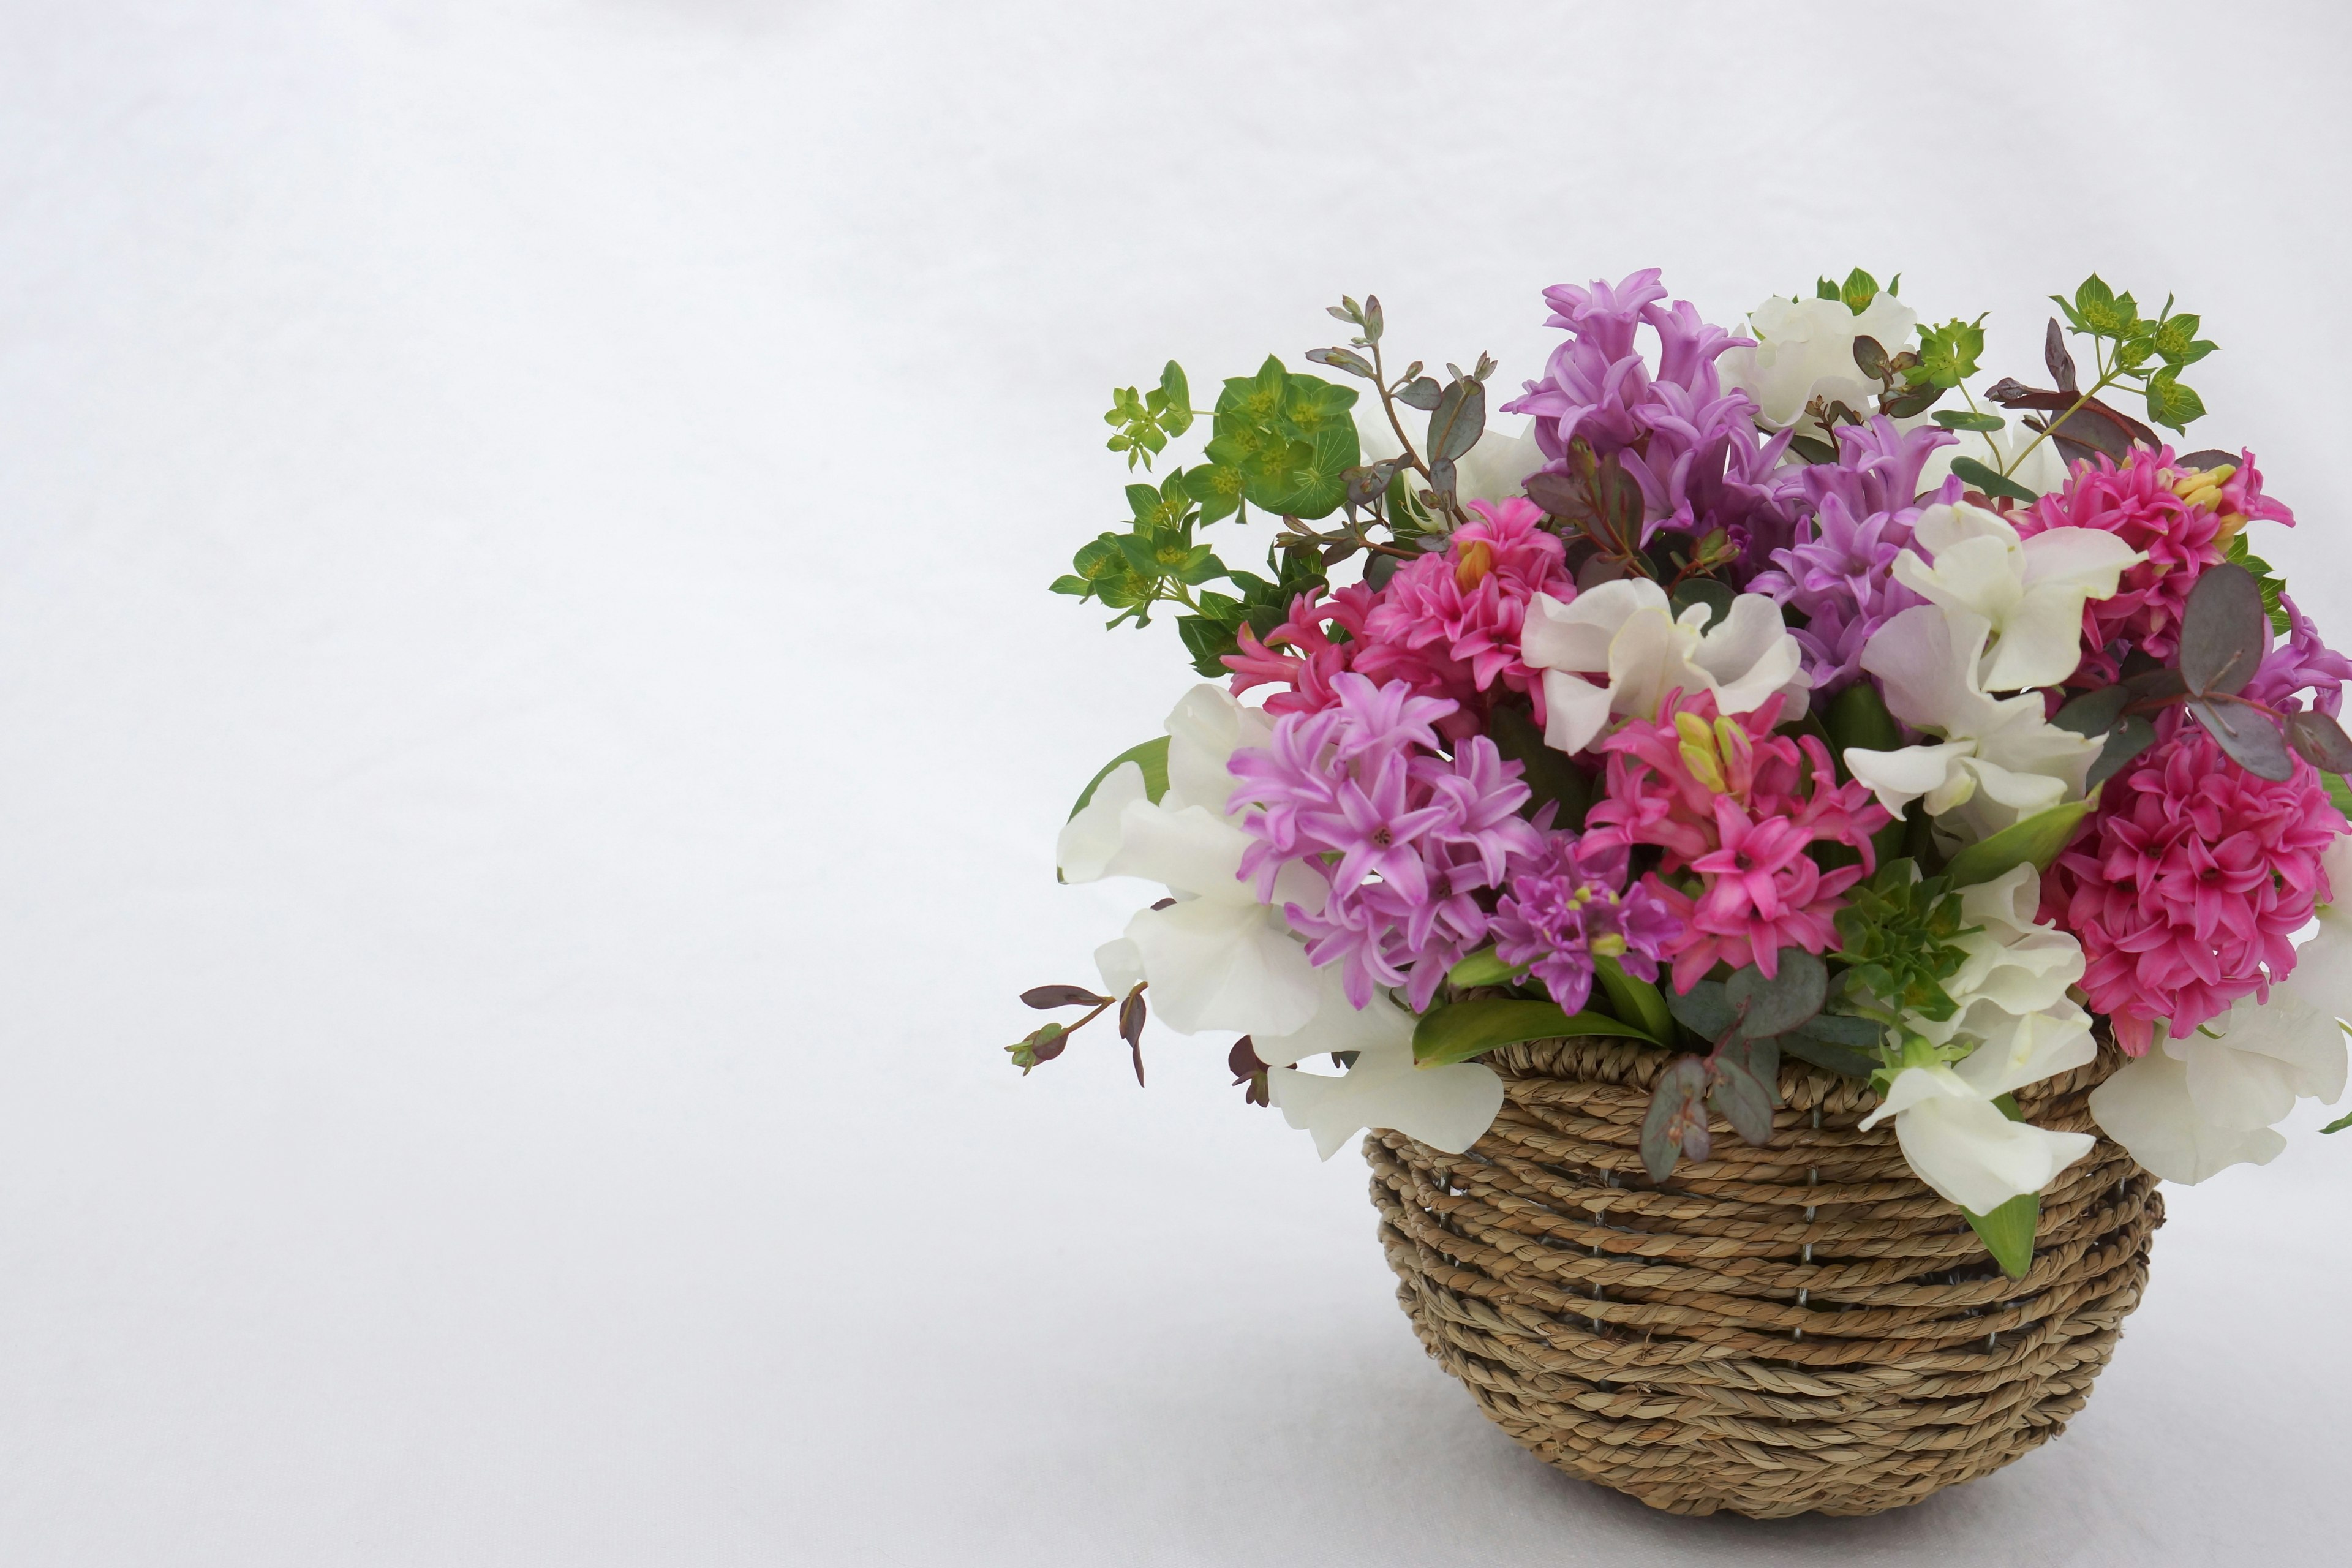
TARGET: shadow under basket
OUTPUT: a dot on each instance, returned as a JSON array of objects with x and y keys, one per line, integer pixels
[{"x": 1802, "y": 1328}]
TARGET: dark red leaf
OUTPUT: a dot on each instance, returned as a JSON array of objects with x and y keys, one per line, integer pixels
[
  {"x": 2210, "y": 457},
  {"x": 1242, "y": 1060},
  {"x": 1042, "y": 996},
  {"x": 2061, "y": 363},
  {"x": 1164, "y": 904}
]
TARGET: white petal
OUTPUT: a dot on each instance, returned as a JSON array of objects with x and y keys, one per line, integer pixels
[
  {"x": 1650, "y": 657},
  {"x": 1447, "y": 1108},
  {"x": 1574, "y": 710},
  {"x": 2016, "y": 1050},
  {"x": 1914, "y": 1085},
  {"x": 2307, "y": 1041},
  {"x": 1750, "y": 655},
  {"x": 1222, "y": 966},
  {"x": 2145, "y": 1107},
  {"x": 1338, "y": 1026},
  {"x": 1089, "y": 840},
  {"x": 1974, "y": 1156},
  {"x": 1576, "y": 635},
  {"x": 1204, "y": 730},
  {"x": 1193, "y": 851},
  {"x": 2233, "y": 1089},
  {"x": 1497, "y": 468},
  {"x": 2089, "y": 559},
  {"x": 1900, "y": 777},
  {"x": 1120, "y": 963}
]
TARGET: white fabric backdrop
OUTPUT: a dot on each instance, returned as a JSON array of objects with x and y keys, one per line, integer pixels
[{"x": 531, "y": 734}]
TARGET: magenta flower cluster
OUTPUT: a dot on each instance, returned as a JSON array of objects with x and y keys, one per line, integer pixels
[
  {"x": 1408, "y": 836},
  {"x": 1569, "y": 907}
]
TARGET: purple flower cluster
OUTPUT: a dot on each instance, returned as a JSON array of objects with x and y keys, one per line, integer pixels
[
  {"x": 1839, "y": 573},
  {"x": 1569, "y": 907},
  {"x": 1407, "y": 836},
  {"x": 2300, "y": 663},
  {"x": 1691, "y": 446}
]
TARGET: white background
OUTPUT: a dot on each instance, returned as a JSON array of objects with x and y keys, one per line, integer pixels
[{"x": 530, "y": 737}]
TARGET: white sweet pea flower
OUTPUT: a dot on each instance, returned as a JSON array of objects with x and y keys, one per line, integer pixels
[
  {"x": 1218, "y": 958},
  {"x": 1447, "y": 1108},
  {"x": 1999, "y": 760},
  {"x": 1618, "y": 647},
  {"x": 2194, "y": 1106},
  {"x": 2011, "y": 996},
  {"x": 1804, "y": 348},
  {"x": 2029, "y": 592}
]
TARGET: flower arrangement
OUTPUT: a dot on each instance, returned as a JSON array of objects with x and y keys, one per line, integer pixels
[{"x": 1776, "y": 694}]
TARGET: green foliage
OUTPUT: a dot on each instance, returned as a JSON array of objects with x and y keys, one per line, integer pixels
[
  {"x": 1156, "y": 559},
  {"x": 1290, "y": 437},
  {"x": 1213, "y": 629},
  {"x": 1150, "y": 755},
  {"x": 1857, "y": 291},
  {"x": 1895, "y": 933},
  {"x": 2008, "y": 1232},
  {"x": 2039, "y": 839},
  {"x": 1948, "y": 354},
  {"x": 1467, "y": 1029},
  {"x": 1146, "y": 420},
  {"x": 1983, "y": 478},
  {"x": 1634, "y": 1001},
  {"x": 2266, "y": 578},
  {"x": 2130, "y": 343}
]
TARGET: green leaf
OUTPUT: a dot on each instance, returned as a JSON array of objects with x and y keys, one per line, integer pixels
[
  {"x": 2339, "y": 794},
  {"x": 1992, "y": 484},
  {"x": 1217, "y": 487},
  {"x": 1858, "y": 717},
  {"x": 1178, "y": 416},
  {"x": 1953, "y": 419},
  {"x": 2175, "y": 335},
  {"x": 2338, "y": 1125},
  {"x": 1467, "y": 1029},
  {"x": 2100, "y": 312},
  {"x": 1484, "y": 967},
  {"x": 1822, "y": 1053},
  {"x": 1548, "y": 773},
  {"x": 2170, "y": 403},
  {"x": 1949, "y": 353},
  {"x": 1636, "y": 1001},
  {"x": 2038, "y": 839},
  {"x": 2267, "y": 577},
  {"x": 1208, "y": 641},
  {"x": 1858, "y": 290},
  {"x": 1110, "y": 574},
  {"x": 1151, "y": 756},
  {"x": 2008, "y": 1232}
]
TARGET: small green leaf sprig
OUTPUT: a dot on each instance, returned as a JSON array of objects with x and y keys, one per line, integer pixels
[{"x": 1285, "y": 442}]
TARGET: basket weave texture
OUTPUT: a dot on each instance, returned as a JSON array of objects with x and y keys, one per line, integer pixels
[{"x": 1800, "y": 1328}]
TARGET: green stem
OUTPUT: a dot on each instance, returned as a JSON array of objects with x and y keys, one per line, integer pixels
[{"x": 2107, "y": 379}]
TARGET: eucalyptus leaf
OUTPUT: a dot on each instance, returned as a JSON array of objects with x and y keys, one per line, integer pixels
[
  {"x": 2319, "y": 740},
  {"x": 1704, "y": 1009},
  {"x": 1467, "y": 1029},
  {"x": 2039, "y": 839},
  {"x": 1740, "y": 1097},
  {"x": 1457, "y": 421},
  {"x": 1768, "y": 1005},
  {"x": 2223, "y": 631},
  {"x": 2249, "y": 737},
  {"x": 1422, "y": 392},
  {"x": 1840, "y": 1029},
  {"x": 1822, "y": 1053},
  {"x": 1870, "y": 357},
  {"x": 2130, "y": 737},
  {"x": 2008, "y": 1232},
  {"x": 1676, "y": 1122},
  {"x": 2093, "y": 713}
]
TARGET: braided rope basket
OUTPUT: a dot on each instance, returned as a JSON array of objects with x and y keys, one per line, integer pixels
[{"x": 1794, "y": 1329}]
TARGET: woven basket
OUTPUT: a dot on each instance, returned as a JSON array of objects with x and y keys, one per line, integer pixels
[{"x": 1802, "y": 1328}]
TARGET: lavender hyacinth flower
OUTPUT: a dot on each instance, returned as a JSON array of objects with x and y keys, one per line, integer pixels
[
  {"x": 2300, "y": 663},
  {"x": 1406, "y": 836},
  {"x": 1690, "y": 444},
  {"x": 1839, "y": 573},
  {"x": 1566, "y": 909}
]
